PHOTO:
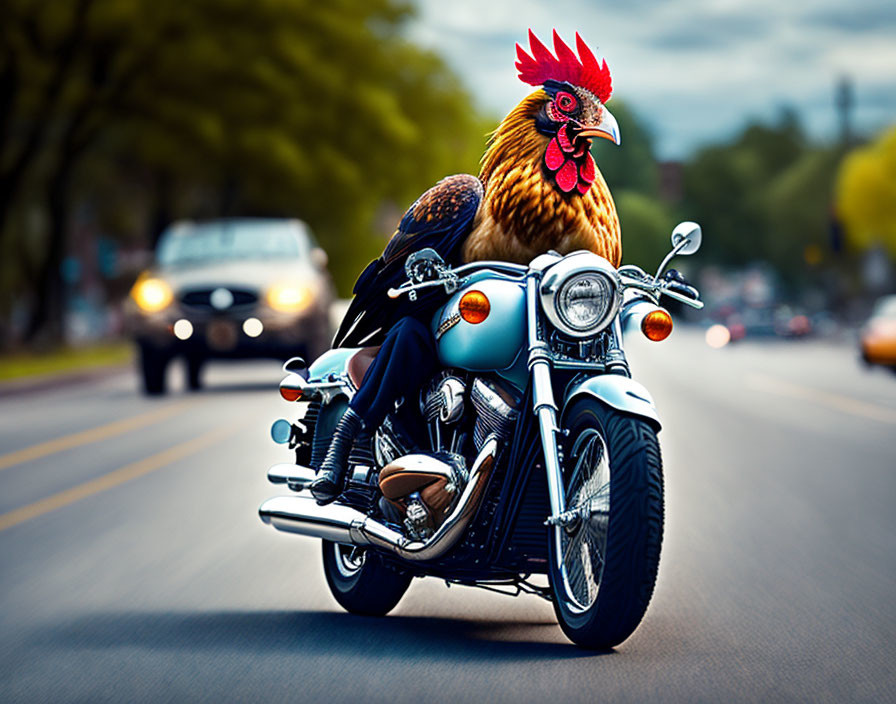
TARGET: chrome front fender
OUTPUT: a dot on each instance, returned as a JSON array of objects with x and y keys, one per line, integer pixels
[{"x": 617, "y": 391}]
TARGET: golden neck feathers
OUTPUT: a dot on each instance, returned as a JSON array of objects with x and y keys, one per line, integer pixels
[{"x": 524, "y": 213}]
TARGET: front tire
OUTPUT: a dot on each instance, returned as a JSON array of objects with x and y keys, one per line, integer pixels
[
  {"x": 360, "y": 581},
  {"x": 194, "y": 372},
  {"x": 153, "y": 368},
  {"x": 603, "y": 567}
]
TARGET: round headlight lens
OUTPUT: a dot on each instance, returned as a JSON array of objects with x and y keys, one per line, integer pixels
[{"x": 584, "y": 300}]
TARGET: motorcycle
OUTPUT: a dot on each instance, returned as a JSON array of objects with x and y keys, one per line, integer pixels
[{"x": 531, "y": 452}]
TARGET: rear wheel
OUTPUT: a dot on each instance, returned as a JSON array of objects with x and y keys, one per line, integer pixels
[
  {"x": 360, "y": 581},
  {"x": 603, "y": 562}
]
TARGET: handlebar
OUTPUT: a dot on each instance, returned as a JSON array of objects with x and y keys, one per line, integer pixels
[
  {"x": 452, "y": 278},
  {"x": 673, "y": 285}
]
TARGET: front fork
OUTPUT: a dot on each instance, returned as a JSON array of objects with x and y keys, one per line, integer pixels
[{"x": 544, "y": 405}]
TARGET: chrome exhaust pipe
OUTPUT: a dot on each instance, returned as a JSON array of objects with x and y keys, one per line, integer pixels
[{"x": 343, "y": 524}]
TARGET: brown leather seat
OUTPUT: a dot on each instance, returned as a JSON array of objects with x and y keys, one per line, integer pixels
[{"x": 360, "y": 363}]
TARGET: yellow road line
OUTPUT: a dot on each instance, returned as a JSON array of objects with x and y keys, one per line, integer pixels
[
  {"x": 845, "y": 404},
  {"x": 112, "y": 479},
  {"x": 84, "y": 437}
]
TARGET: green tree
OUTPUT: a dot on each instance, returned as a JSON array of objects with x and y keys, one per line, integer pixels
[
  {"x": 726, "y": 189},
  {"x": 289, "y": 107},
  {"x": 646, "y": 224},
  {"x": 631, "y": 165}
]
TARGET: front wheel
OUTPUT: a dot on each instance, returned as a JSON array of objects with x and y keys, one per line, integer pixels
[
  {"x": 361, "y": 582},
  {"x": 604, "y": 560},
  {"x": 153, "y": 365}
]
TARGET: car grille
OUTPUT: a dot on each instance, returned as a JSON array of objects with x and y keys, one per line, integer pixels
[{"x": 201, "y": 299}]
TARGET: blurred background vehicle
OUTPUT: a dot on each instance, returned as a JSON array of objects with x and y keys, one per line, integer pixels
[
  {"x": 232, "y": 288},
  {"x": 773, "y": 320},
  {"x": 878, "y": 335}
]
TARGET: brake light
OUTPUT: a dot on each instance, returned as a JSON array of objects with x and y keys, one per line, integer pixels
[
  {"x": 474, "y": 307},
  {"x": 657, "y": 325}
]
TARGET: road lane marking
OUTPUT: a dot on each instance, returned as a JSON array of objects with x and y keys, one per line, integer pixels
[
  {"x": 845, "y": 404},
  {"x": 102, "y": 432},
  {"x": 112, "y": 479}
]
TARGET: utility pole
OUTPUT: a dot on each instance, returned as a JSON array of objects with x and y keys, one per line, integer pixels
[{"x": 844, "y": 100}]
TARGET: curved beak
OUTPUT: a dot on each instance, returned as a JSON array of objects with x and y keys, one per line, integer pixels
[{"x": 606, "y": 128}]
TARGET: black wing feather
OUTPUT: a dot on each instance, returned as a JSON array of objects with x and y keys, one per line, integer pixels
[{"x": 441, "y": 219}]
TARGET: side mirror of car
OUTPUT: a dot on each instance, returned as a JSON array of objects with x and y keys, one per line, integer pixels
[{"x": 319, "y": 258}]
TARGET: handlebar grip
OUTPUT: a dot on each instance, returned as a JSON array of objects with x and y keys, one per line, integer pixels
[{"x": 683, "y": 289}]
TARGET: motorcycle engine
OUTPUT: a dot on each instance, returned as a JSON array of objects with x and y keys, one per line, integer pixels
[
  {"x": 496, "y": 411},
  {"x": 446, "y": 405}
]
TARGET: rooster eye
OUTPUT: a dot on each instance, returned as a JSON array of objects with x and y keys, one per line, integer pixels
[{"x": 566, "y": 102}]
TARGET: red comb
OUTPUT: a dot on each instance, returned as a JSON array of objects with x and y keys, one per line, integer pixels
[{"x": 583, "y": 71}]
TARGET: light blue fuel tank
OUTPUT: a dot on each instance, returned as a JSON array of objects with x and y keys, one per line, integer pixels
[{"x": 495, "y": 343}]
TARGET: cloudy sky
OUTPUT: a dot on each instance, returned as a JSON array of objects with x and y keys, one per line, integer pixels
[{"x": 694, "y": 70}]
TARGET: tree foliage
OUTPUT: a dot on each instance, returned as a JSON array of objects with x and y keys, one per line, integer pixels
[
  {"x": 866, "y": 194},
  {"x": 321, "y": 111}
]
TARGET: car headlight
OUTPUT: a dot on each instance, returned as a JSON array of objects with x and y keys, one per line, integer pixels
[
  {"x": 290, "y": 298},
  {"x": 152, "y": 294},
  {"x": 581, "y": 294}
]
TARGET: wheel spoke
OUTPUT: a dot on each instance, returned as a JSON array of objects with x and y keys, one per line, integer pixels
[{"x": 583, "y": 545}]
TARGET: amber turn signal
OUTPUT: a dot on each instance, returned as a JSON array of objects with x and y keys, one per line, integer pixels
[
  {"x": 291, "y": 387},
  {"x": 657, "y": 325},
  {"x": 474, "y": 307}
]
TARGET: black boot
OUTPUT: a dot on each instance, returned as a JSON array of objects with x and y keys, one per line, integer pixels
[{"x": 327, "y": 487}]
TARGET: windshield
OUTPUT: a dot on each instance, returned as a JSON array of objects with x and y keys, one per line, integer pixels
[
  {"x": 885, "y": 307},
  {"x": 226, "y": 240}
]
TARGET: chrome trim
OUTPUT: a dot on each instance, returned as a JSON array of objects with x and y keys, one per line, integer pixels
[
  {"x": 295, "y": 476},
  {"x": 635, "y": 312},
  {"x": 343, "y": 524},
  {"x": 572, "y": 266},
  {"x": 449, "y": 322},
  {"x": 544, "y": 405},
  {"x": 452, "y": 390}
]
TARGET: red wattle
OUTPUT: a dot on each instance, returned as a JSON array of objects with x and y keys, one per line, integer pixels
[
  {"x": 567, "y": 176},
  {"x": 553, "y": 157},
  {"x": 586, "y": 170},
  {"x": 563, "y": 139},
  {"x": 583, "y": 187}
]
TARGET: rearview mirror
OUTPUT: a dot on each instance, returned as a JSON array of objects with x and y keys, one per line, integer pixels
[
  {"x": 319, "y": 258},
  {"x": 295, "y": 365},
  {"x": 688, "y": 236}
]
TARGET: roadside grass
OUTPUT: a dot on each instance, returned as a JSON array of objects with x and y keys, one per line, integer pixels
[{"x": 20, "y": 365}]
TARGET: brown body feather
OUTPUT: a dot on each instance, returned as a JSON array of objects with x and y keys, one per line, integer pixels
[{"x": 524, "y": 213}]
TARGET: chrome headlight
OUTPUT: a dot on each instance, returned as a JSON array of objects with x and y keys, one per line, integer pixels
[{"x": 581, "y": 294}]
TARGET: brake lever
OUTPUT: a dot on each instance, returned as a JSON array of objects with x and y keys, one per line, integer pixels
[{"x": 450, "y": 283}]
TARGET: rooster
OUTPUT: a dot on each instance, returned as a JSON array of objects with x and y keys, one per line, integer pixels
[{"x": 538, "y": 189}]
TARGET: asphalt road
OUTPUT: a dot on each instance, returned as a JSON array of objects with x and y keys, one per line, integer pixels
[{"x": 133, "y": 566}]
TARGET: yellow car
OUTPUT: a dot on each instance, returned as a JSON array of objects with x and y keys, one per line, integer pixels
[
  {"x": 236, "y": 288},
  {"x": 878, "y": 335}
]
